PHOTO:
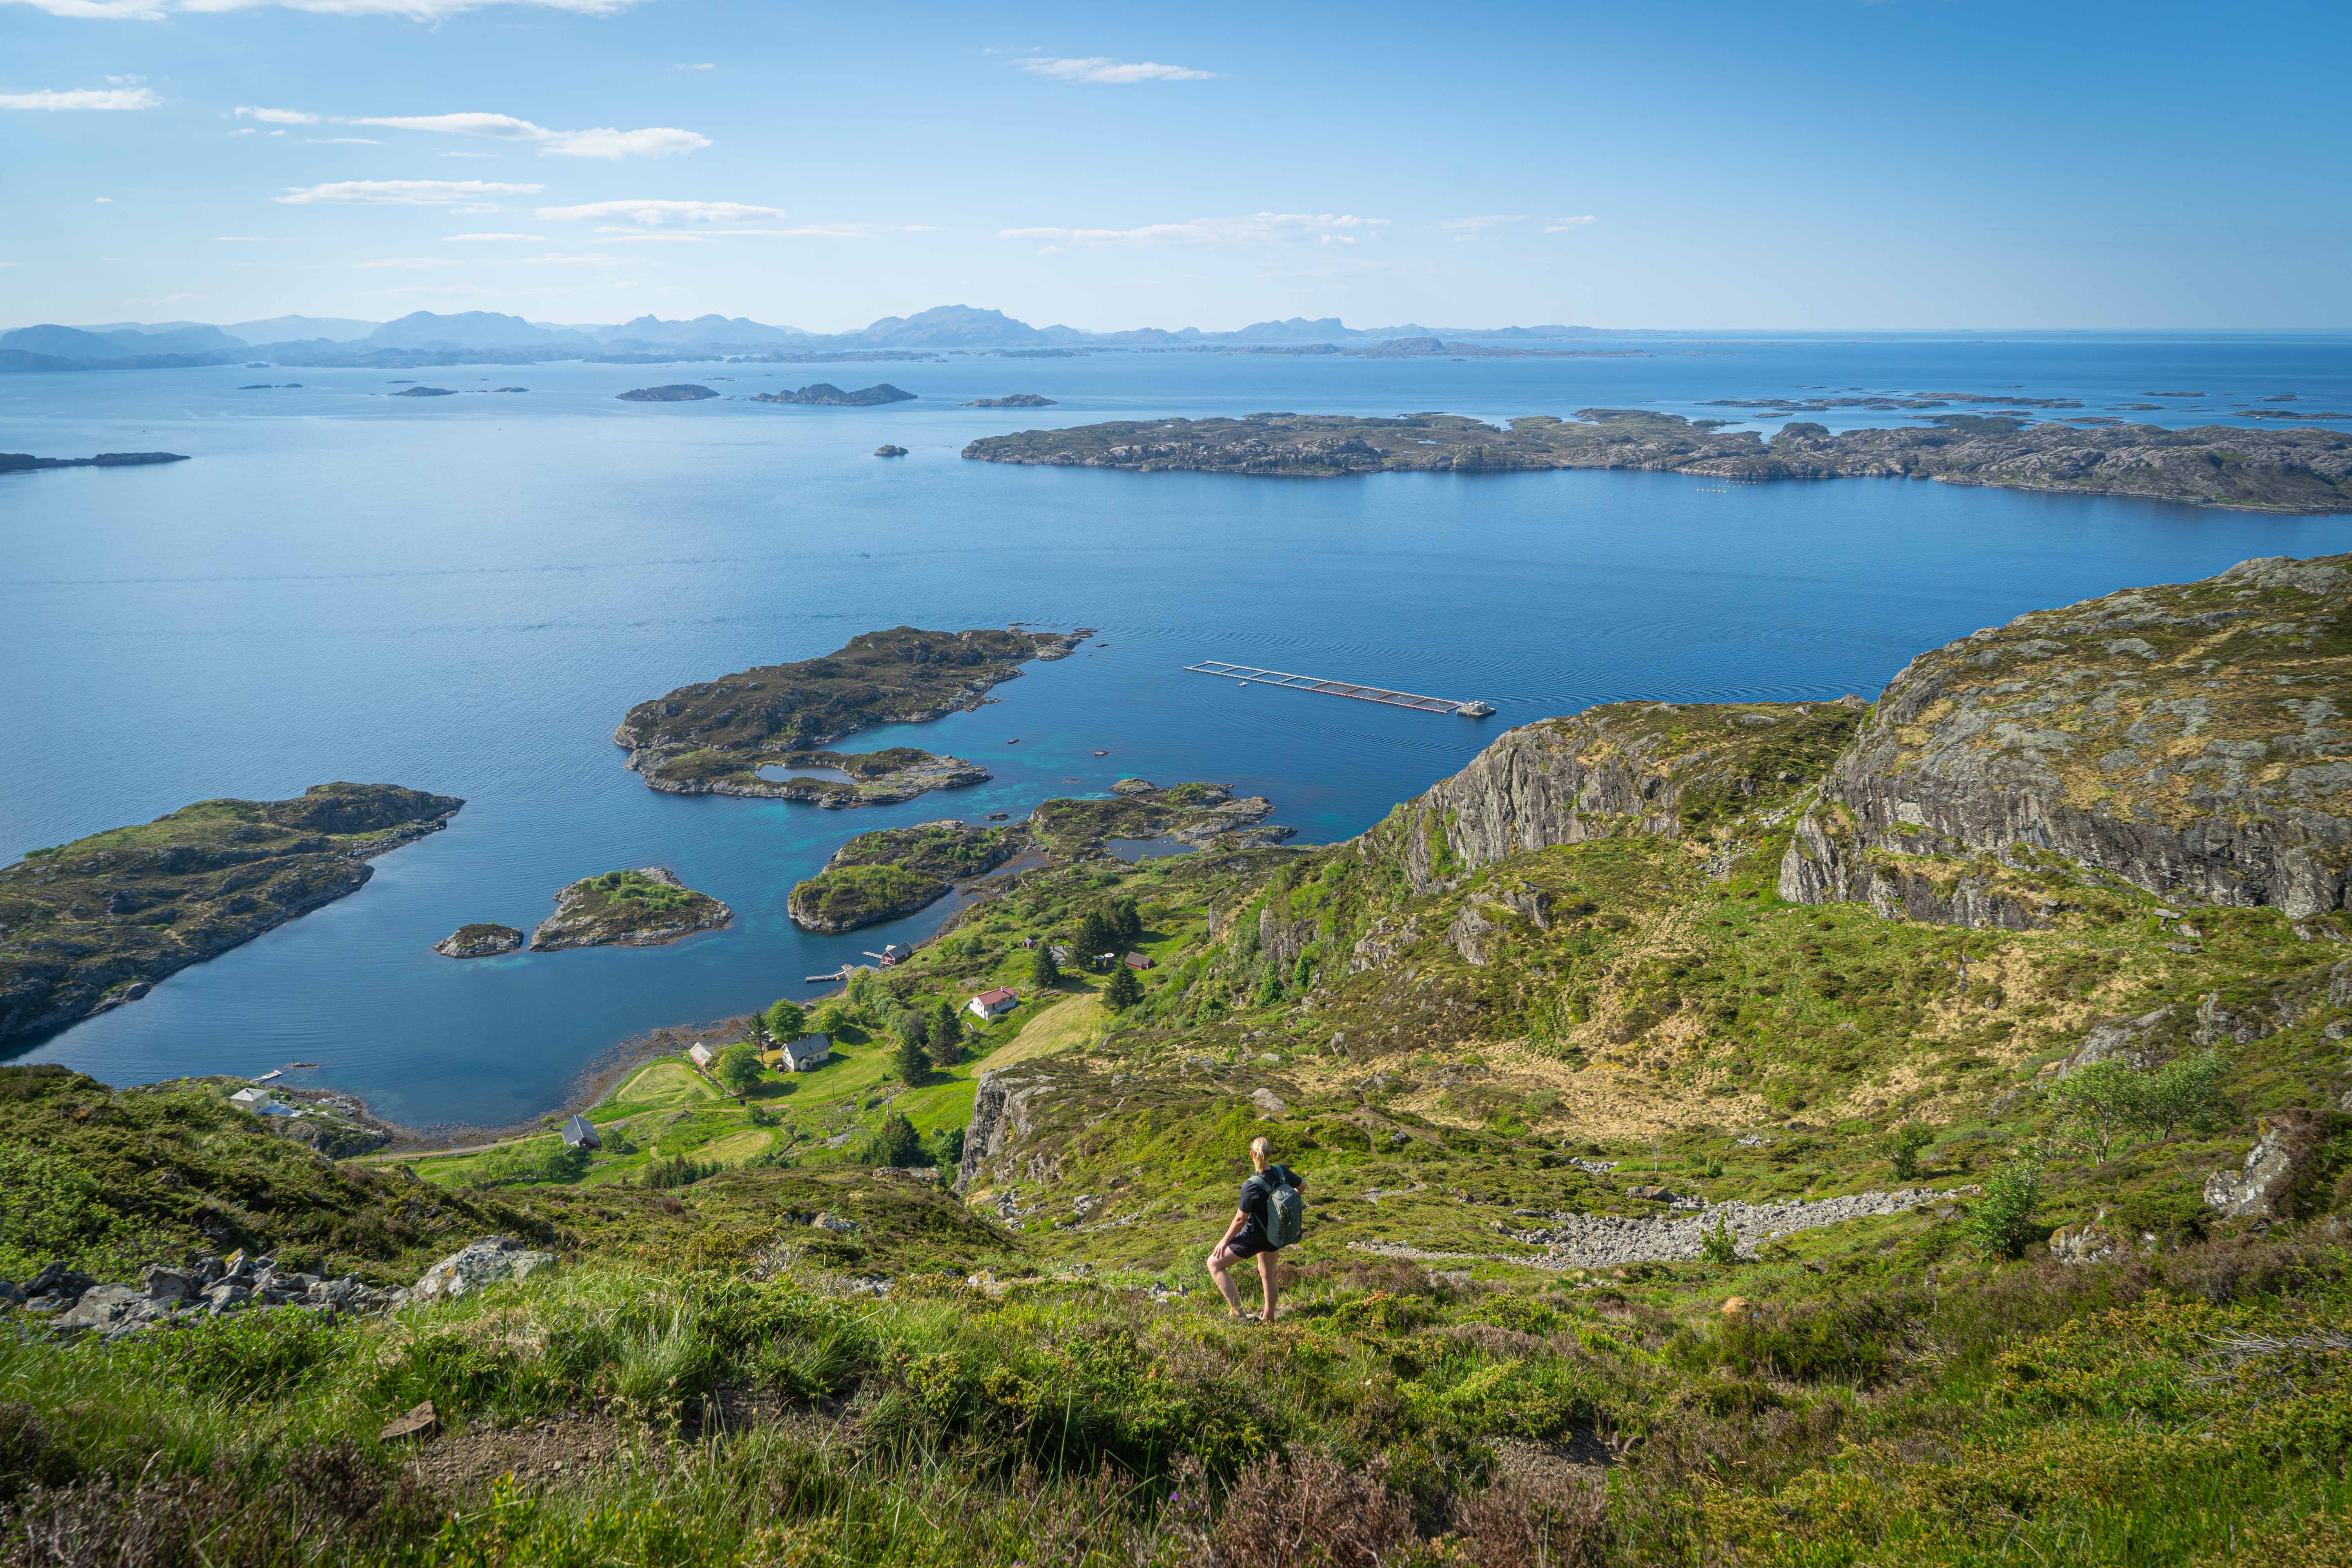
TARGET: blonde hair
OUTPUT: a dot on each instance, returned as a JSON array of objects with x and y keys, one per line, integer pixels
[{"x": 1260, "y": 1152}]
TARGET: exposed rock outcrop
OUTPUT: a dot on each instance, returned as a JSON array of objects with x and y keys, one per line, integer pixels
[
  {"x": 490, "y": 1261},
  {"x": 1662, "y": 768},
  {"x": 643, "y": 908},
  {"x": 479, "y": 941},
  {"x": 1002, "y": 1111},
  {"x": 2187, "y": 739}
]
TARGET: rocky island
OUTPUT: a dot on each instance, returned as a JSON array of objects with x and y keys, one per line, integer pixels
[
  {"x": 479, "y": 941},
  {"x": 868, "y": 778},
  {"x": 877, "y": 876},
  {"x": 887, "y": 450},
  {"x": 825, "y": 395},
  {"x": 713, "y": 738},
  {"x": 25, "y": 462},
  {"x": 2291, "y": 470},
  {"x": 425, "y": 392},
  {"x": 894, "y": 871},
  {"x": 683, "y": 392},
  {"x": 643, "y": 907},
  {"x": 1017, "y": 400},
  {"x": 89, "y": 924}
]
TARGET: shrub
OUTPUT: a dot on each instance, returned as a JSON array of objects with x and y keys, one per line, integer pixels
[
  {"x": 1902, "y": 1148},
  {"x": 540, "y": 1160},
  {"x": 1718, "y": 1243},
  {"x": 738, "y": 1068},
  {"x": 2004, "y": 1216}
]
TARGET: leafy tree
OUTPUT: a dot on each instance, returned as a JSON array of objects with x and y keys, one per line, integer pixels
[
  {"x": 828, "y": 1018},
  {"x": 2096, "y": 1102},
  {"x": 785, "y": 1020},
  {"x": 2004, "y": 1216},
  {"x": 899, "y": 1144},
  {"x": 1718, "y": 1244},
  {"x": 1902, "y": 1148},
  {"x": 1044, "y": 973},
  {"x": 2185, "y": 1094},
  {"x": 738, "y": 1068},
  {"x": 947, "y": 1147},
  {"x": 1097, "y": 936},
  {"x": 1124, "y": 990}
]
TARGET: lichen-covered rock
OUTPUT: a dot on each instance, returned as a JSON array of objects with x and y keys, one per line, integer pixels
[
  {"x": 2189, "y": 739},
  {"x": 2253, "y": 1189},
  {"x": 1002, "y": 1111},
  {"x": 1663, "y": 768},
  {"x": 490, "y": 1261}
]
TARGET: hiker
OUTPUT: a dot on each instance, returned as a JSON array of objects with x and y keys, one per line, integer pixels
[{"x": 1271, "y": 1212}]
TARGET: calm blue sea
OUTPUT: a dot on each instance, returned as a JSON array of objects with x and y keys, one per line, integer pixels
[{"x": 464, "y": 594}]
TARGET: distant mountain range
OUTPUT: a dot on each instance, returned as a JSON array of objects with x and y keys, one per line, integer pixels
[{"x": 424, "y": 337}]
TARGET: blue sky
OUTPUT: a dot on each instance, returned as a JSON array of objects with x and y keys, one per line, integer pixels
[{"x": 1639, "y": 163}]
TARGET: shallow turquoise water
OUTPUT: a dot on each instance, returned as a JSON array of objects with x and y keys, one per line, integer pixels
[{"x": 465, "y": 593}]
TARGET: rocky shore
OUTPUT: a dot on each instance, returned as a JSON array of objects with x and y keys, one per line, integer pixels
[
  {"x": 682, "y": 392},
  {"x": 94, "y": 923},
  {"x": 643, "y": 907},
  {"x": 2285, "y": 470},
  {"x": 881, "y": 875}
]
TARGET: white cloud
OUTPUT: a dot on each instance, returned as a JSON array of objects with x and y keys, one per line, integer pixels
[
  {"x": 245, "y": 239},
  {"x": 697, "y": 66},
  {"x": 275, "y": 116},
  {"x": 402, "y": 193},
  {"x": 654, "y": 213},
  {"x": 405, "y": 263},
  {"x": 633, "y": 237},
  {"x": 477, "y": 209},
  {"x": 1103, "y": 70},
  {"x": 415, "y": 10},
  {"x": 1467, "y": 229},
  {"x": 83, "y": 98},
  {"x": 102, "y": 201},
  {"x": 591, "y": 260},
  {"x": 342, "y": 141},
  {"x": 1253, "y": 228},
  {"x": 655, "y": 141},
  {"x": 460, "y": 239},
  {"x": 1567, "y": 224}
]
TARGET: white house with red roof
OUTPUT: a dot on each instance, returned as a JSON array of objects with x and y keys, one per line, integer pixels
[{"x": 993, "y": 1004}]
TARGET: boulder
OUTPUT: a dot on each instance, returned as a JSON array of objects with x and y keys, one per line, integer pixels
[
  {"x": 163, "y": 1283},
  {"x": 1269, "y": 1104},
  {"x": 100, "y": 1307},
  {"x": 2093, "y": 1242},
  {"x": 492, "y": 1261},
  {"x": 2250, "y": 1191},
  {"x": 834, "y": 1223},
  {"x": 416, "y": 1426}
]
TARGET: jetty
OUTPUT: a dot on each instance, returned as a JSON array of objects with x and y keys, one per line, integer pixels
[{"x": 1247, "y": 674}]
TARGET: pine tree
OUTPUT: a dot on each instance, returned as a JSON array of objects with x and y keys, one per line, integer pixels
[
  {"x": 1126, "y": 923},
  {"x": 1124, "y": 990},
  {"x": 911, "y": 1062},
  {"x": 946, "y": 1034},
  {"x": 1044, "y": 973},
  {"x": 1098, "y": 934}
]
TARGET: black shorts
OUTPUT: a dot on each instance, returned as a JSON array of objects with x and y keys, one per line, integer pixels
[{"x": 1249, "y": 1243}]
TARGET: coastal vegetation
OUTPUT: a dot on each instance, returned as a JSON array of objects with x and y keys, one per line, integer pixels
[
  {"x": 1762, "y": 1133},
  {"x": 2291, "y": 470},
  {"x": 718, "y": 731},
  {"x": 87, "y": 925},
  {"x": 677, "y": 392},
  {"x": 25, "y": 462},
  {"x": 642, "y": 908},
  {"x": 881, "y": 875},
  {"x": 825, "y": 395},
  {"x": 886, "y": 777}
]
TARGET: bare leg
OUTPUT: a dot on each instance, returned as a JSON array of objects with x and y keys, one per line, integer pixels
[
  {"x": 1217, "y": 1261},
  {"x": 1266, "y": 1264}
]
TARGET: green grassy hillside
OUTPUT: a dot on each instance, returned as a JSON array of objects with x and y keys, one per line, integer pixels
[{"x": 1654, "y": 1219}]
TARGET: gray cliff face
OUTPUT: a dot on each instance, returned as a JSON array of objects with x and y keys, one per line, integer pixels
[
  {"x": 1659, "y": 768},
  {"x": 2190, "y": 740},
  {"x": 1000, "y": 1122}
]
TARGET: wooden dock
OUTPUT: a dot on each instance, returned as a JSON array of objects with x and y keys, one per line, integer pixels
[{"x": 1246, "y": 674}]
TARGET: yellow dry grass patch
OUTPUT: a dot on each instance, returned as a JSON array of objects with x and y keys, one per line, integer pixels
[
  {"x": 662, "y": 1083},
  {"x": 737, "y": 1147},
  {"x": 1065, "y": 1025}
]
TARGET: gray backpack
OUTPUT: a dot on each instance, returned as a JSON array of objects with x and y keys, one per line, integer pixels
[{"x": 1285, "y": 1213}]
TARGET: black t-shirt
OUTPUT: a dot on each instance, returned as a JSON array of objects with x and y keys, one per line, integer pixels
[{"x": 1259, "y": 1187}]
